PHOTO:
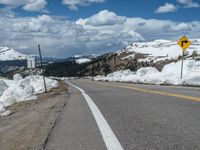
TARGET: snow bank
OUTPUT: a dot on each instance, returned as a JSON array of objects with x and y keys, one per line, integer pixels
[
  {"x": 3, "y": 87},
  {"x": 20, "y": 89},
  {"x": 169, "y": 75}
]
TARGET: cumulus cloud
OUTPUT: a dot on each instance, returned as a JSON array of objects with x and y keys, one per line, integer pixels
[
  {"x": 36, "y": 5},
  {"x": 103, "y": 18},
  {"x": 167, "y": 7},
  {"x": 189, "y": 3},
  {"x": 14, "y": 2},
  {"x": 28, "y": 5},
  {"x": 74, "y": 4},
  {"x": 62, "y": 38}
]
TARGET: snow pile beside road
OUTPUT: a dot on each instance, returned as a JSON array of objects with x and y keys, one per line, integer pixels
[
  {"x": 20, "y": 89},
  {"x": 169, "y": 75}
]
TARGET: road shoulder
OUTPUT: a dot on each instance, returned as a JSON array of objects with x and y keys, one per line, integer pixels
[
  {"x": 32, "y": 121},
  {"x": 76, "y": 127}
]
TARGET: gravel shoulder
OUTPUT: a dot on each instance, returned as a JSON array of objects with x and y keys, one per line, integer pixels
[{"x": 28, "y": 127}]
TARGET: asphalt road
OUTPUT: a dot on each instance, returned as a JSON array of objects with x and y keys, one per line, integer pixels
[{"x": 142, "y": 117}]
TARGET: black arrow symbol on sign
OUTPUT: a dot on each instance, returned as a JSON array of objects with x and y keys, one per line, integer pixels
[{"x": 186, "y": 41}]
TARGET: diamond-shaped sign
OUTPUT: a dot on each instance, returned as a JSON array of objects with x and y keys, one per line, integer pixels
[{"x": 184, "y": 43}]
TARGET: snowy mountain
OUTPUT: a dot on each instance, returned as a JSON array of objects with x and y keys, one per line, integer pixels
[
  {"x": 10, "y": 54},
  {"x": 83, "y": 60},
  {"x": 156, "y": 54},
  {"x": 157, "y": 50},
  {"x": 157, "y": 62},
  {"x": 80, "y": 59}
]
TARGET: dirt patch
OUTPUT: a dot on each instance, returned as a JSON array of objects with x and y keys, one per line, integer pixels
[{"x": 31, "y": 122}]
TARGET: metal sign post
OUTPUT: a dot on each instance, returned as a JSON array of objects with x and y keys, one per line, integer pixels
[
  {"x": 182, "y": 65},
  {"x": 184, "y": 43},
  {"x": 45, "y": 87}
]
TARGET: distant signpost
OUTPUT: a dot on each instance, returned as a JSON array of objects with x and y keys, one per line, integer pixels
[
  {"x": 184, "y": 43},
  {"x": 31, "y": 62}
]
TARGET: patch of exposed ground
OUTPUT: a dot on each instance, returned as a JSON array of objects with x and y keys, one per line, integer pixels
[{"x": 31, "y": 122}]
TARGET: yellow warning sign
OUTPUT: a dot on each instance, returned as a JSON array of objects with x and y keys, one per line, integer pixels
[{"x": 184, "y": 43}]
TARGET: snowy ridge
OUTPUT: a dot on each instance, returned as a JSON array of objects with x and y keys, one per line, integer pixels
[
  {"x": 10, "y": 54},
  {"x": 159, "y": 49},
  {"x": 82, "y": 60}
]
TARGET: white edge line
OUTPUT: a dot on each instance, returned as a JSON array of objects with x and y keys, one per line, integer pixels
[{"x": 111, "y": 141}]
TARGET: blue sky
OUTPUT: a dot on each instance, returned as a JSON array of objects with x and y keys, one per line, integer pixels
[
  {"x": 128, "y": 8},
  {"x": 69, "y": 27}
]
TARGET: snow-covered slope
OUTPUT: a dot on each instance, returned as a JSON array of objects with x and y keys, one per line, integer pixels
[
  {"x": 10, "y": 54},
  {"x": 158, "y": 50},
  {"x": 82, "y": 60},
  {"x": 169, "y": 75}
]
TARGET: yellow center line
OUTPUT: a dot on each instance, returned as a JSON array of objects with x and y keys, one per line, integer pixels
[{"x": 186, "y": 97}]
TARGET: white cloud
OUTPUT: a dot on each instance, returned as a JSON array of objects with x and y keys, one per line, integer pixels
[
  {"x": 180, "y": 27},
  {"x": 167, "y": 7},
  {"x": 189, "y": 3},
  {"x": 61, "y": 38},
  {"x": 36, "y": 5},
  {"x": 74, "y": 4},
  {"x": 14, "y": 2},
  {"x": 7, "y": 12},
  {"x": 103, "y": 18},
  {"x": 28, "y": 5}
]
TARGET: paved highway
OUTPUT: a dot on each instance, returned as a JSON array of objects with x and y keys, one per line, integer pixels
[{"x": 129, "y": 117}]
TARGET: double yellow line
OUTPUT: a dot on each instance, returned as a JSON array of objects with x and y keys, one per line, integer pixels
[{"x": 186, "y": 97}]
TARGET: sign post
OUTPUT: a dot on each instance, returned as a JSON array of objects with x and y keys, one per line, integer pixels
[
  {"x": 182, "y": 65},
  {"x": 45, "y": 87},
  {"x": 31, "y": 64},
  {"x": 184, "y": 43}
]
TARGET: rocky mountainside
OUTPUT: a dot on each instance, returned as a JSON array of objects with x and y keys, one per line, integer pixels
[{"x": 156, "y": 54}]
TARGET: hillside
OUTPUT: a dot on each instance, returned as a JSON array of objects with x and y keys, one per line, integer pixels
[
  {"x": 158, "y": 62},
  {"x": 156, "y": 54},
  {"x": 157, "y": 50}
]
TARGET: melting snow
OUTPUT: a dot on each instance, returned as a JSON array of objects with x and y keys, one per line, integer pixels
[
  {"x": 169, "y": 75},
  {"x": 20, "y": 89}
]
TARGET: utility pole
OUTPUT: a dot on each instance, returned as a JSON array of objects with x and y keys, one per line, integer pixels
[{"x": 41, "y": 63}]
